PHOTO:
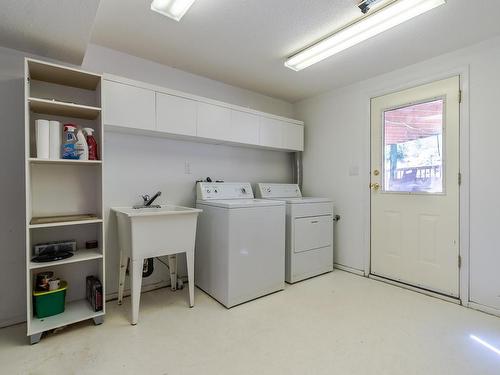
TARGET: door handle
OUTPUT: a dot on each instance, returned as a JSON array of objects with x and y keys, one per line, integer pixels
[{"x": 375, "y": 186}]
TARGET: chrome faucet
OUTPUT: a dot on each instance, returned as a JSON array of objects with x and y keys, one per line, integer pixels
[{"x": 147, "y": 201}]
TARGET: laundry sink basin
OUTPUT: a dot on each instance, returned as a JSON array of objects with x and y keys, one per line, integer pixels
[{"x": 151, "y": 232}]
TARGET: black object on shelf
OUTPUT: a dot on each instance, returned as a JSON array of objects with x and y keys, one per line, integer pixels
[
  {"x": 94, "y": 293},
  {"x": 52, "y": 256},
  {"x": 92, "y": 244}
]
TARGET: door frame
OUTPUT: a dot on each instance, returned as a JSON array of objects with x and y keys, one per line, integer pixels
[{"x": 464, "y": 162}]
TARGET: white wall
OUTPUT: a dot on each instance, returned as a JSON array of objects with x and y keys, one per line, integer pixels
[
  {"x": 134, "y": 164},
  {"x": 337, "y": 146},
  {"x": 100, "y": 59}
]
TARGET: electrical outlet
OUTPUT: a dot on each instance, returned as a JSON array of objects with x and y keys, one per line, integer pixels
[{"x": 187, "y": 167}]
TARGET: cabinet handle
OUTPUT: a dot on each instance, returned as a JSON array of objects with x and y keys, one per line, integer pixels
[{"x": 314, "y": 222}]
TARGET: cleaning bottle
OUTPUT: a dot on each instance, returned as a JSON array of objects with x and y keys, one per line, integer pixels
[
  {"x": 69, "y": 142},
  {"x": 92, "y": 144},
  {"x": 82, "y": 149}
]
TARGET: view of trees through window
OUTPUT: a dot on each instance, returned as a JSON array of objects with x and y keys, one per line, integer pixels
[{"x": 413, "y": 148}]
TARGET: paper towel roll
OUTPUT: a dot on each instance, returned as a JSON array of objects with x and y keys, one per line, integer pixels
[
  {"x": 42, "y": 139},
  {"x": 55, "y": 139}
]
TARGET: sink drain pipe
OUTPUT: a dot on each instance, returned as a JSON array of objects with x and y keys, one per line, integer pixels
[{"x": 148, "y": 267}]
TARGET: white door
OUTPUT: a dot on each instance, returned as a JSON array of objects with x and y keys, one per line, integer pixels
[
  {"x": 213, "y": 121},
  {"x": 415, "y": 186},
  {"x": 244, "y": 127},
  {"x": 293, "y": 137},
  {"x": 175, "y": 115},
  {"x": 128, "y": 106},
  {"x": 271, "y": 132}
]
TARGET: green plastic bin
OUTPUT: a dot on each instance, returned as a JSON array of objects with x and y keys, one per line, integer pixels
[{"x": 51, "y": 302}]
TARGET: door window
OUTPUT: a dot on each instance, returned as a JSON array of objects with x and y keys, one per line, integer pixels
[{"x": 413, "y": 148}]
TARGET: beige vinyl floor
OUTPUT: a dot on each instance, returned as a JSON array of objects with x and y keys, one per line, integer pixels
[{"x": 337, "y": 323}]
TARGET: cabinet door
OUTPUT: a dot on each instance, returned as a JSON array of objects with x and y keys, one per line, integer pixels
[
  {"x": 175, "y": 115},
  {"x": 293, "y": 137},
  {"x": 312, "y": 233},
  {"x": 244, "y": 128},
  {"x": 129, "y": 106},
  {"x": 271, "y": 132},
  {"x": 213, "y": 121}
]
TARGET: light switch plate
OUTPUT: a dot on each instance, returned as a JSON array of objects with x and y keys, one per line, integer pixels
[
  {"x": 353, "y": 170},
  {"x": 187, "y": 167}
]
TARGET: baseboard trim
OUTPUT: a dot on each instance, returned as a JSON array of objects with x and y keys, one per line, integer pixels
[
  {"x": 12, "y": 321},
  {"x": 484, "y": 309},
  {"x": 415, "y": 289},
  {"x": 349, "y": 269},
  {"x": 145, "y": 288}
]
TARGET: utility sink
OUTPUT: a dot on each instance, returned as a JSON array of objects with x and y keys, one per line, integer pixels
[
  {"x": 153, "y": 232},
  {"x": 167, "y": 209}
]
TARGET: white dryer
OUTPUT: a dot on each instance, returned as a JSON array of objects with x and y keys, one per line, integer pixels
[
  {"x": 240, "y": 243},
  {"x": 309, "y": 231}
]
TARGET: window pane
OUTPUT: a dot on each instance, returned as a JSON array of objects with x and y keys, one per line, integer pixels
[{"x": 413, "y": 148}]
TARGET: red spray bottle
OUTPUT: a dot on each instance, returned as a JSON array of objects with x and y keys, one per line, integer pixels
[{"x": 92, "y": 143}]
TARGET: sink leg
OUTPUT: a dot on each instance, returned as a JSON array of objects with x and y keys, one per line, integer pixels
[
  {"x": 136, "y": 283},
  {"x": 121, "y": 278},
  {"x": 172, "y": 265},
  {"x": 190, "y": 271}
]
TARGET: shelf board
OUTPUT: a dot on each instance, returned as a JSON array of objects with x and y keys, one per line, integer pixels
[
  {"x": 74, "y": 312},
  {"x": 64, "y": 161},
  {"x": 80, "y": 256},
  {"x": 54, "y": 107},
  {"x": 62, "y": 75},
  {"x": 65, "y": 223}
]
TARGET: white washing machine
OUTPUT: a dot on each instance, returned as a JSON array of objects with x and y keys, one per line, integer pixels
[
  {"x": 240, "y": 243},
  {"x": 309, "y": 231}
]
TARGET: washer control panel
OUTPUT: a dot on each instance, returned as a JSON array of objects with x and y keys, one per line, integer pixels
[
  {"x": 278, "y": 191},
  {"x": 223, "y": 190}
]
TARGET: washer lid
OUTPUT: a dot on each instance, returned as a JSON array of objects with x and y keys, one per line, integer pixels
[{"x": 241, "y": 203}]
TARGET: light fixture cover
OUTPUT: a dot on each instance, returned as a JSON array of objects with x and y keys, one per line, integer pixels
[
  {"x": 174, "y": 9},
  {"x": 373, "y": 24}
]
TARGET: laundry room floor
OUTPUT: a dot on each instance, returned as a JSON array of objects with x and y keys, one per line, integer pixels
[{"x": 338, "y": 323}]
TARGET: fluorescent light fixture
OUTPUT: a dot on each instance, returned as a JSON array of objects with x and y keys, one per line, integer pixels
[
  {"x": 174, "y": 9},
  {"x": 485, "y": 344},
  {"x": 373, "y": 24}
]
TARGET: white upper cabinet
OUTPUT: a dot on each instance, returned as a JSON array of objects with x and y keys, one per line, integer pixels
[
  {"x": 293, "y": 137},
  {"x": 244, "y": 127},
  {"x": 175, "y": 115},
  {"x": 281, "y": 134},
  {"x": 271, "y": 133},
  {"x": 141, "y": 106},
  {"x": 128, "y": 106},
  {"x": 214, "y": 122}
]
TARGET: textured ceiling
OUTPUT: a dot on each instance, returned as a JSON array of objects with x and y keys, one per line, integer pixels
[
  {"x": 244, "y": 42},
  {"x": 58, "y": 29}
]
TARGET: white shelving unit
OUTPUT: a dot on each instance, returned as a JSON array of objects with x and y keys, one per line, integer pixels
[{"x": 63, "y": 197}]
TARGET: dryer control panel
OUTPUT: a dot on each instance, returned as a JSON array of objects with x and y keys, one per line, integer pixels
[
  {"x": 278, "y": 191},
  {"x": 223, "y": 190}
]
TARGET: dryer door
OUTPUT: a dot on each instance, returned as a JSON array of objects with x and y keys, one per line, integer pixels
[{"x": 312, "y": 233}]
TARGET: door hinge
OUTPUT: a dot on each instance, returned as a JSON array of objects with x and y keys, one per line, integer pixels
[
  {"x": 459, "y": 178},
  {"x": 460, "y": 96},
  {"x": 459, "y": 261}
]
